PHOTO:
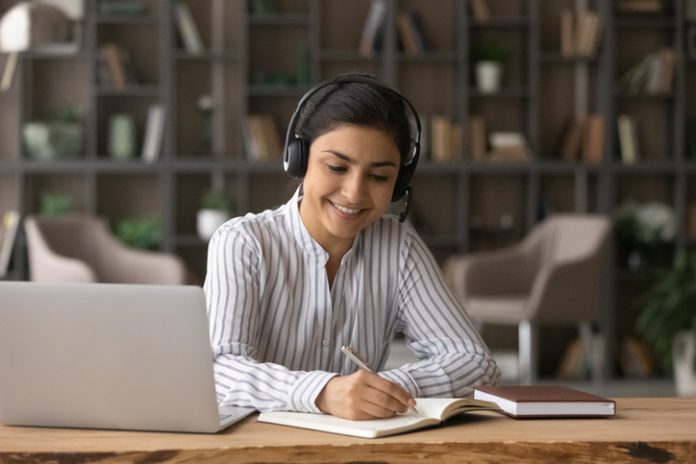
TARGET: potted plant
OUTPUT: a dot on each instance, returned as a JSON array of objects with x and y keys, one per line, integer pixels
[
  {"x": 55, "y": 204},
  {"x": 667, "y": 321},
  {"x": 216, "y": 208},
  {"x": 140, "y": 232},
  {"x": 641, "y": 229},
  {"x": 58, "y": 136},
  {"x": 488, "y": 56}
]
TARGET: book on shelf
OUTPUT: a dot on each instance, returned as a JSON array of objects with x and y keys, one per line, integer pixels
[
  {"x": 412, "y": 33},
  {"x": 373, "y": 28},
  {"x": 690, "y": 10},
  {"x": 579, "y": 359},
  {"x": 477, "y": 138},
  {"x": 639, "y": 6},
  {"x": 691, "y": 222},
  {"x": 653, "y": 74},
  {"x": 567, "y": 29},
  {"x": 154, "y": 133},
  {"x": 115, "y": 66},
  {"x": 628, "y": 138},
  {"x": 635, "y": 359},
  {"x": 593, "y": 140},
  {"x": 571, "y": 140},
  {"x": 446, "y": 138},
  {"x": 545, "y": 401},
  {"x": 429, "y": 412},
  {"x": 8, "y": 233},
  {"x": 508, "y": 146},
  {"x": 480, "y": 10},
  {"x": 188, "y": 30},
  {"x": 8, "y": 72},
  {"x": 580, "y": 33},
  {"x": 261, "y": 137}
]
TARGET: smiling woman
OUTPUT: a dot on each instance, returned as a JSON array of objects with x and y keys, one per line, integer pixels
[
  {"x": 348, "y": 186},
  {"x": 287, "y": 288}
]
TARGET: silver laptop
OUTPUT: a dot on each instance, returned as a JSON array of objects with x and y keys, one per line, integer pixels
[{"x": 109, "y": 356}]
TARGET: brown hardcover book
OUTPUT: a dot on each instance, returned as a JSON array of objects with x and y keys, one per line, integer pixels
[
  {"x": 477, "y": 138},
  {"x": 480, "y": 10},
  {"x": 545, "y": 401},
  {"x": 572, "y": 139},
  {"x": 113, "y": 57},
  {"x": 567, "y": 33},
  {"x": 593, "y": 143}
]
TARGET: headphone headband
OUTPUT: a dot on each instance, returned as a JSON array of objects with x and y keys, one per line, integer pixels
[{"x": 296, "y": 151}]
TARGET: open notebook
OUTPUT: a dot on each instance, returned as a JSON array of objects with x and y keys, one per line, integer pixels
[{"x": 430, "y": 411}]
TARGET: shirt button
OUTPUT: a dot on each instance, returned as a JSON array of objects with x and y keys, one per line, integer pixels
[{"x": 325, "y": 341}]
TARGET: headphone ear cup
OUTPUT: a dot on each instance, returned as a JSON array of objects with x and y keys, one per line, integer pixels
[
  {"x": 296, "y": 156},
  {"x": 403, "y": 181}
]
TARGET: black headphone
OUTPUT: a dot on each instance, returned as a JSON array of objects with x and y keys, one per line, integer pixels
[{"x": 296, "y": 152}]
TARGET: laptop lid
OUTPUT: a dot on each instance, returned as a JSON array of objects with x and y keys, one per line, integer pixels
[{"x": 111, "y": 356}]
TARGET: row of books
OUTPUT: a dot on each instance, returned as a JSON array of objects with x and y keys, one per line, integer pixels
[
  {"x": 580, "y": 33},
  {"x": 583, "y": 139},
  {"x": 443, "y": 139},
  {"x": 411, "y": 33},
  {"x": 654, "y": 74}
]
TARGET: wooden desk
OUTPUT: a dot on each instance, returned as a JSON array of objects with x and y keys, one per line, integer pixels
[{"x": 644, "y": 430}]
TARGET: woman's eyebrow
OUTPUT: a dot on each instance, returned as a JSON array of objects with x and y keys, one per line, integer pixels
[{"x": 350, "y": 160}]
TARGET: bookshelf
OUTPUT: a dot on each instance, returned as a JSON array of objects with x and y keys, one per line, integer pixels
[{"x": 261, "y": 63}]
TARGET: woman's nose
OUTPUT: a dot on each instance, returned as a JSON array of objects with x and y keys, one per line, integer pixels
[{"x": 353, "y": 187}]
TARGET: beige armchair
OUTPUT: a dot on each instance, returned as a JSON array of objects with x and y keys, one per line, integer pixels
[
  {"x": 80, "y": 248},
  {"x": 556, "y": 275}
]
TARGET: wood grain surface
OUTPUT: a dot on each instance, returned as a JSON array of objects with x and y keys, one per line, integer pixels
[{"x": 660, "y": 430}]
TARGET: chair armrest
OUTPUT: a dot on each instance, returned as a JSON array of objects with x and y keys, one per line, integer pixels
[
  {"x": 45, "y": 265},
  {"x": 60, "y": 269}
]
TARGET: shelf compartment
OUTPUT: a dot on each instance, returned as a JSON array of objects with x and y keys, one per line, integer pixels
[
  {"x": 75, "y": 186},
  {"x": 498, "y": 206},
  {"x": 207, "y": 117},
  {"x": 120, "y": 196}
]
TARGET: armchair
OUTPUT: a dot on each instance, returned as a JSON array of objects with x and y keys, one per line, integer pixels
[
  {"x": 556, "y": 275},
  {"x": 79, "y": 248}
]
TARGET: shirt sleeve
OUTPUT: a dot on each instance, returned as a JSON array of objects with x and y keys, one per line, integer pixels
[
  {"x": 454, "y": 358},
  {"x": 233, "y": 287}
]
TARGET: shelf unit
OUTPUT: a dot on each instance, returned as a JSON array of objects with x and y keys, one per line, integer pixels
[{"x": 241, "y": 49}]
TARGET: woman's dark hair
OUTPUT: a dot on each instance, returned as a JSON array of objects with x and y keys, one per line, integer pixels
[{"x": 359, "y": 104}]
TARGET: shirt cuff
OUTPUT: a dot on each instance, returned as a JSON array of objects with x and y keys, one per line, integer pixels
[
  {"x": 304, "y": 393},
  {"x": 404, "y": 379}
]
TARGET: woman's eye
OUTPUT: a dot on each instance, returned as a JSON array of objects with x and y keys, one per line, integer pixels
[
  {"x": 379, "y": 178},
  {"x": 335, "y": 168}
]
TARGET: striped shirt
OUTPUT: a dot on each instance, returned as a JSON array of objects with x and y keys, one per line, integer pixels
[{"x": 277, "y": 327}]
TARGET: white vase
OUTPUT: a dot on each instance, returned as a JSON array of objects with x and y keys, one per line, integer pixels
[
  {"x": 208, "y": 221},
  {"x": 488, "y": 76},
  {"x": 683, "y": 354}
]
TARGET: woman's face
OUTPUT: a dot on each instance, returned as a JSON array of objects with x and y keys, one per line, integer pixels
[{"x": 349, "y": 183}]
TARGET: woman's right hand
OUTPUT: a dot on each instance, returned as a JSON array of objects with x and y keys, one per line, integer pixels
[{"x": 363, "y": 395}]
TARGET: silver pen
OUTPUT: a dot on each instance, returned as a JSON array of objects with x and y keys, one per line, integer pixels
[{"x": 360, "y": 362}]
